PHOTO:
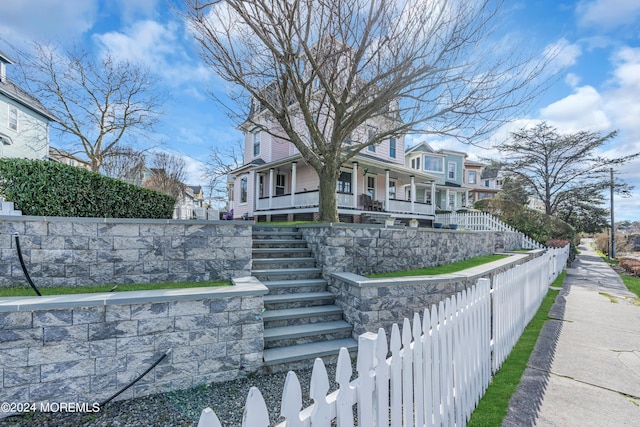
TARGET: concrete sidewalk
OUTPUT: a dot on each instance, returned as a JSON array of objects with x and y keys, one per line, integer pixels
[{"x": 585, "y": 368}]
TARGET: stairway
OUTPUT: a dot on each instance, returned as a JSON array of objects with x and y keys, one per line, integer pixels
[{"x": 301, "y": 320}]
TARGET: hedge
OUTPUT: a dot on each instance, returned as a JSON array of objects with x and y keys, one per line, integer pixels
[{"x": 45, "y": 188}]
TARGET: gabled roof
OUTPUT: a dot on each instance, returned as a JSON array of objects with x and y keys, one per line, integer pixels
[{"x": 12, "y": 91}]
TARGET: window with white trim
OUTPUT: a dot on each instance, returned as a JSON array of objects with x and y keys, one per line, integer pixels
[
  {"x": 13, "y": 118},
  {"x": 392, "y": 190},
  {"x": 392, "y": 148},
  {"x": 371, "y": 186},
  {"x": 256, "y": 143},
  {"x": 281, "y": 181},
  {"x": 472, "y": 177},
  {"x": 243, "y": 190},
  {"x": 344, "y": 182},
  {"x": 433, "y": 164},
  {"x": 451, "y": 170}
]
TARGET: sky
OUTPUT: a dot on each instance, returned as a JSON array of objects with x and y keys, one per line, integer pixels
[{"x": 597, "y": 89}]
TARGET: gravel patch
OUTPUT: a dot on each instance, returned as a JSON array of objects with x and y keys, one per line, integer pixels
[{"x": 181, "y": 408}]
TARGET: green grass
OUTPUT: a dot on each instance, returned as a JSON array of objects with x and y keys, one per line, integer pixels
[
  {"x": 632, "y": 283},
  {"x": 27, "y": 291},
  {"x": 494, "y": 404},
  {"x": 442, "y": 269}
]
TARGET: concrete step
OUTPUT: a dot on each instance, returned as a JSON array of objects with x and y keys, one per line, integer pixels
[
  {"x": 274, "y": 228},
  {"x": 295, "y": 286},
  {"x": 282, "y": 263},
  {"x": 301, "y": 315},
  {"x": 275, "y": 356},
  {"x": 285, "y": 336},
  {"x": 279, "y": 243},
  {"x": 260, "y": 253},
  {"x": 278, "y": 235},
  {"x": 266, "y": 275},
  {"x": 297, "y": 300}
]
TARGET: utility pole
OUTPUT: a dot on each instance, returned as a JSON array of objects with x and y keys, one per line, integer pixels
[{"x": 612, "y": 254}]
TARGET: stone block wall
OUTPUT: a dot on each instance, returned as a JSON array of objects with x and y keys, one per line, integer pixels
[
  {"x": 90, "y": 251},
  {"x": 370, "y": 304},
  {"x": 374, "y": 249},
  {"x": 85, "y": 348}
]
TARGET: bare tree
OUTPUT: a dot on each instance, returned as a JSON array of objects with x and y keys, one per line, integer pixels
[
  {"x": 317, "y": 72},
  {"x": 126, "y": 164},
  {"x": 218, "y": 166},
  {"x": 100, "y": 103},
  {"x": 168, "y": 174}
]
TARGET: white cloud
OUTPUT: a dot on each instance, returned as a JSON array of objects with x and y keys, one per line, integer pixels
[
  {"x": 53, "y": 19},
  {"x": 563, "y": 53},
  {"x": 158, "y": 47},
  {"x": 582, "y": 110},
  {"x": 607, "y": 14}
]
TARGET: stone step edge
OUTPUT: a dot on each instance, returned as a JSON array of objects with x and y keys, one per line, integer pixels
[
  {"x": 301, "y": 312},
  {"x": 292, "y": 259},
  {"x": 306, "y": 330},
  {"x": 301, "y": 296},
  {"x": 302, "y": 283},
  {"x": 281, "y": 271},
  {"x": 275, "y": 356}
]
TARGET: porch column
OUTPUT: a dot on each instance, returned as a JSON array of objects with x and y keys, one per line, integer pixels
[
  {"x": 447, "y": 200},
  {"x": 293, "y": 183},
  {"x": 270, "y": 188},
  {"x": 354, "y": 185},
  {"x": 433, "y": 197},
  {"x": 413, "y": 193},
  {"x": 386, "y": 189},
  {"x": 256, "y": 190},
  {"x": 466, "y": 198}
]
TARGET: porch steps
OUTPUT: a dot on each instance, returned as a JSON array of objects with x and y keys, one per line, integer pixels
[{"x": 301, "y": 320}]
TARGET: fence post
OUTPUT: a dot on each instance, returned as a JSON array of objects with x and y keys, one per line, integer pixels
[{"x": 366, "y": 354}]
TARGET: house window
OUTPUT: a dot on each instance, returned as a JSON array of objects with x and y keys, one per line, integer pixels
[
  {"x": 243, "y": 190},
  {"x": 13, "y": 118},
  {"x": 452, "y": 200},
  {"x": 451, "y": 170},
  {"x": 261, "y": 186},
  {"x": 392, "y": 190},
  {"x": 472, "y": 177},
  {"x": 427, "y": 197},
  {"x": 280, "y": 184},
  {"x": 392, "y": 148},
  {"x": 256, "y": 143},
  {"x": 344, "y": 182},
  {"x": 371, "y": 186},
  {"x": 371, "y": 134},
  {"x": 433, "y": 164}
]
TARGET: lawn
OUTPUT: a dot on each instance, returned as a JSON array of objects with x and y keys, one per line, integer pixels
[
  {"x": 632, "y": 283},
  {"x": 494, "y": 404},
  {"x": 442, "y": 269},
  {"x": 27, "y": 291}
]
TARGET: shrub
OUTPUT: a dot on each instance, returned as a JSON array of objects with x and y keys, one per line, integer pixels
[{"x": 44, "y": 188}]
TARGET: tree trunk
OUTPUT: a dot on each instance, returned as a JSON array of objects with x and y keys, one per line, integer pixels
[{"x": 328, "y": 205}]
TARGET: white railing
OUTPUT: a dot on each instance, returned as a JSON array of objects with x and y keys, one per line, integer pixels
[
  {"x": 403, "y": 206},
  {"x": 483, "y": 221},
  {"x": 440, "y": 366}
]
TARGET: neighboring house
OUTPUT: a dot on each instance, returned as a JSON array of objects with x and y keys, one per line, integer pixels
[
  {"x": 491, "y": 183},
  {"x": 449, "y": 191},
  {"x": 61, "y": 156},
  {"x": 24, "y": 121},
  {"x": 275, "y": 183},
  {"x": 473, "y": 172}
]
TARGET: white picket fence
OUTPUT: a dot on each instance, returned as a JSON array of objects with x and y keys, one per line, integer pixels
[
  {"x": 440, "y": 365},
  {"x": 483, "y": 221}
]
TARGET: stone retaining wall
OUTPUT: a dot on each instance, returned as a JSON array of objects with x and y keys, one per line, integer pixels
[
  {"x": 90, "y": 251},
  {"x": 370, "y": 304},
  {"x": 86, "y": 347},
  {"x": 373, "y": 249}
]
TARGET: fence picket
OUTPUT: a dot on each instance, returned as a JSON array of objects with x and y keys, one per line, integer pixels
[
  {"x": 407, "y": 374},
  {"x": 395, "y": 377},
  {"x": 440, "y": 365},
  {"x": 321, "y": 414},
  {"x": 346, "y": 393},
  {"x": 255, "y": 411},
  {"x": 382, "y": 380}
]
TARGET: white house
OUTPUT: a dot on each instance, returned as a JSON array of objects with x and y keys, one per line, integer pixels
[{"x": 24, "y": 121}]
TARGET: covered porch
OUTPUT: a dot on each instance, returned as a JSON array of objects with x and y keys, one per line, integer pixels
[{"x": 289, "y": 191}]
